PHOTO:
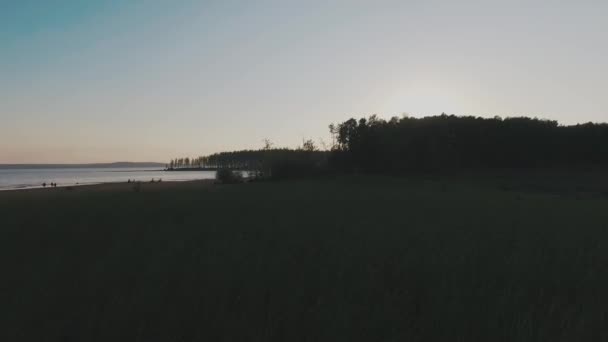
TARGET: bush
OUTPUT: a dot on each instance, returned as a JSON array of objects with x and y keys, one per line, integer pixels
[{"x": 227, "y": 176}]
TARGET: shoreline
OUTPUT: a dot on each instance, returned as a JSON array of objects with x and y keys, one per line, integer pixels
[
  {"x": 194, "y": 169},
  {"x": 106, "y": 187}
]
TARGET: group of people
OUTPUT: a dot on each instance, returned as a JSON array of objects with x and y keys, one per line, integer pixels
[
  {"x": 54, "y": 185},
  {"x": 152, "y": 181}
]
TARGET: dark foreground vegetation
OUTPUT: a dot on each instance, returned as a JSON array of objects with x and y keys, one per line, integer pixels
[{"x": 345, "y": 259}]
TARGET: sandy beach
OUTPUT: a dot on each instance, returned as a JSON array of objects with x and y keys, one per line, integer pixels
[{"x": 106, "y": 188}]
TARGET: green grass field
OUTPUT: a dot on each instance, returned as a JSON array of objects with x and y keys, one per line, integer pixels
[{"x": 354, "y": 259}]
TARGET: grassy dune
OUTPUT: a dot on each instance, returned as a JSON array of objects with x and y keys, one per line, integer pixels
[{"x": 353, "y": 259}]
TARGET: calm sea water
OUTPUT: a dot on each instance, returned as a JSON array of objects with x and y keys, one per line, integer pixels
[{"x": 12, "y": 179}]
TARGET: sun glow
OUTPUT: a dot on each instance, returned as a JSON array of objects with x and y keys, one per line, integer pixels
[{"x": 422, "y": 99}]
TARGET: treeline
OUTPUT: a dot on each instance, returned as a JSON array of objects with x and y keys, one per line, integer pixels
[
  {"x": 265, "y": 162},
  {"x": 435, "y": 143},
  {"x": 255, "y": 159},
  {"x": 236, "y": 160},
  {"x": 447, "y": 141},
  {"x": 187, "y": 163}
]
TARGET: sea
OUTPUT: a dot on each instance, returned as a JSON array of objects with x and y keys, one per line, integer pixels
[{"x": 28, "y": 178}]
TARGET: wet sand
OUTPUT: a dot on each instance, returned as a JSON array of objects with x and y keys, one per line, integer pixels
[{"x": 106, "y": 188}]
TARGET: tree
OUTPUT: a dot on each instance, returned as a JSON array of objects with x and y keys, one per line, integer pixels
[
  {"x": 309, "y": 145},
  {"x": 267, "y": 144},
  {"x": 334, "y": 131}
]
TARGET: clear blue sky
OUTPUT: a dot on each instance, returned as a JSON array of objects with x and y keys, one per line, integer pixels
[{"x": 95, "y": 81}]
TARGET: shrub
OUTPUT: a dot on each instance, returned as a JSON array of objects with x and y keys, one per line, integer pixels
[{"x": 227, "y": 176}]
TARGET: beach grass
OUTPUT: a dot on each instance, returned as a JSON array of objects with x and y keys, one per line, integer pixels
[{"x": 346, "y": 259}]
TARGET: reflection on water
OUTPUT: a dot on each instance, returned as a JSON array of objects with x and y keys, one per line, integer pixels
[{"x": 34, "y": 178}]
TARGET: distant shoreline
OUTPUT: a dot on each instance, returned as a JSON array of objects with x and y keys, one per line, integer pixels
[
  {"x": 111, "y": 186},
  {"x": 82, "y": 166},
  {"x": 199, "y": 169},
  {"x": 22, "y": 179}
]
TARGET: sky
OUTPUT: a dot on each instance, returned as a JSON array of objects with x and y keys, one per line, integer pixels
[{"x": 148, "y": 80}]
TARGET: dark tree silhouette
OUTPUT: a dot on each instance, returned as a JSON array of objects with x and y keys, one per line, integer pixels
[{"x": 447, "y": 141}]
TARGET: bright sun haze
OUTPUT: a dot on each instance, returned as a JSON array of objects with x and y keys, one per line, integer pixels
[{"x": 147, "y": 80}]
